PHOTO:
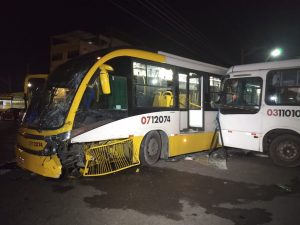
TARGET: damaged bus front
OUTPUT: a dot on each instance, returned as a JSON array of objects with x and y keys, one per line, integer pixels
[{"x": 43, "y": 141}]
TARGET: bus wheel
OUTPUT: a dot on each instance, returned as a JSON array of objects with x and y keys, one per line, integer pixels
[
  {"x": 150, "y": 149},
  {"x": 285, "y": 150}
]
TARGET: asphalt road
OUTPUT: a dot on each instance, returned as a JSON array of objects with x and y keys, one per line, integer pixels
[{"x": 250, "y": 191}]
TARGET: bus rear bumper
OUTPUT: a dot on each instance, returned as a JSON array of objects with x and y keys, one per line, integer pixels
[{"x": 48, "y": 166}]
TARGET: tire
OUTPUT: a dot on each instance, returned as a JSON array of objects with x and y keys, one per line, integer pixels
[
  {"x": 285, "y": 150},
  {"x": 150, "y": 148}
]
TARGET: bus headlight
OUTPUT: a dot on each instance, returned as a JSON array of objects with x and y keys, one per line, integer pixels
[{"x": 63, "y": 136}]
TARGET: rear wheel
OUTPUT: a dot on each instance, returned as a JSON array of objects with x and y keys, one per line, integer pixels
[
  {"x": 285, "y": 150},
  {"x": 150, "y": 148}
]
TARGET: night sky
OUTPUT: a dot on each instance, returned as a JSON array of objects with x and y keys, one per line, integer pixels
[{"x": 210, "y": 31}]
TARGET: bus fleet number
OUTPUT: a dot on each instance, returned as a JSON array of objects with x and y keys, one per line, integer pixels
[
  {"x": 283, "y": 112},
  {"x": 155, "y": 119}
]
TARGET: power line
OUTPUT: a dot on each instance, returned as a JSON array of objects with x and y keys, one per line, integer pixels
[
  {"x": 152, "y": 27},
  {"x": 196, "y": 33},
  {"x": 157, "y": 11},
  {"x": 183, "y": 24}
]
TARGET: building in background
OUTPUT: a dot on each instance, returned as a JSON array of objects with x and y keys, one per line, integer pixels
[
  {"x": 12, "y": 100},
  {"x": 69, "y": 45}
]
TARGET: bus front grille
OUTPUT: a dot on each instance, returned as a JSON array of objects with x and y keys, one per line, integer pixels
[{"x": 110, "y": 157}]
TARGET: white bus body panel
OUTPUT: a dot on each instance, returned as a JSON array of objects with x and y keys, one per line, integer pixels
[
  {"x": 241, "y": 131},
  {"x": 139, "y": 126},
  {"x": 183, "y": 120},
  {"x": 271, "y": 122},
  {"x": 136, "y": 125},
  {"x": 196, "y": 118},
  {"x": 210, "y": 120}
]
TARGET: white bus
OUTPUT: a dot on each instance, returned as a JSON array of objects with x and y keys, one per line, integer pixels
[
  {"x": 113, "y": 109},
  {"x": 260, "y": 110}
]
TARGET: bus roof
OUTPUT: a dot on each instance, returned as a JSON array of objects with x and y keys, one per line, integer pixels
[
  {"x": 284, "y": 64},
  {"x": 193, "y": 64}
]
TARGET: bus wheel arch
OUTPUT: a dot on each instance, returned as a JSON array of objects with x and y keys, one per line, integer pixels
[
  {"x": 152, "y": 147},
  {"x": 283, "y": 146}
]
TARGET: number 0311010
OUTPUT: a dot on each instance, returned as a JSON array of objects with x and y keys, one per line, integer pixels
[
  {"x": 283, "y": 112},
  {"x": 155, "y": 119}
]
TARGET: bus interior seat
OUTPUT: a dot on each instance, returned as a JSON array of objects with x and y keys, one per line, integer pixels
[{"x": 163, "y": 99}]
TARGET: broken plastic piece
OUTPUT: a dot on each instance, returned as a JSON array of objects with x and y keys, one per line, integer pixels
[{"x": 189, "y": 158}]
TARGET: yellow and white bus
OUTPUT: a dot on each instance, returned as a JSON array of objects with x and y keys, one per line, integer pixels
[{"x": 113, "y": 109}]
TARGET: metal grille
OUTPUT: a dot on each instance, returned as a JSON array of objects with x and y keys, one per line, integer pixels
[{"x": 110, "y": 157}]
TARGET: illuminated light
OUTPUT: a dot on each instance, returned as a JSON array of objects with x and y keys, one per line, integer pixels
[
  {"x": 182, "y": 77},
  {"x": 276, "y": 52},
  {"x": 154, "y": 81},
  {"x": 184, "y": 140},
  {"x": 90, "y": 42},
  {"x": 273, "y": 98},
  {"x": 98, "y": 57},
  {"x": 29, "y": 85}
]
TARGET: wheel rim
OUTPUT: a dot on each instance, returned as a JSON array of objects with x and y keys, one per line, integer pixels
[{"x": 287, "y": 150}]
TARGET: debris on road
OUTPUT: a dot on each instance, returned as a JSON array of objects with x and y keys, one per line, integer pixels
[{"x": 284, "y": 187}]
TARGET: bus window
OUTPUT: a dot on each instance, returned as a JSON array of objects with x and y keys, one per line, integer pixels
[
  {"x": 96, "y": 106},
  {"x": 242, "y": 95},
  {"x": 182, "y": 90},
  {"x": 194, "y": 92},
  {"x": 153, "y": 86},
  {"x": 214, "y": 89},
  {"x": 283, "y": 87}
]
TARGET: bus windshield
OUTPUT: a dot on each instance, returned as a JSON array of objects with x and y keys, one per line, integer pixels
[
  {"x": 241, "y": 95},
  {"x": 50, "y": 106}
]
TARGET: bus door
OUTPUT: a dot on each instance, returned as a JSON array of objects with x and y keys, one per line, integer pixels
[{"x": 195, "y": 101}]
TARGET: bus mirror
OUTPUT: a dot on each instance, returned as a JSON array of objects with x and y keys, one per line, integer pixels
[
  {"x": 216, "y": 103},
  {"x": 104, "y": 78}
]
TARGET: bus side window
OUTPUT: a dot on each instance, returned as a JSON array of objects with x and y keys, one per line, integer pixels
[
  {"x": 283, "y": 87},
  {"x": 153, "y": 86}
]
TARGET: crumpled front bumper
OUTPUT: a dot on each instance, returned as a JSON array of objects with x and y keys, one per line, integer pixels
[{"x": 48, "y": 166}]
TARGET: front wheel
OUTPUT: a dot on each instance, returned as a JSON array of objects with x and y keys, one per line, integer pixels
[
  {"x": 150, "y": 148},
  {"x": 285, "y": 150}
]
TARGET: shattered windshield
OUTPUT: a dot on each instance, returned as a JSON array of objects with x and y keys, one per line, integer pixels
[{"x": 49, "y": 107}]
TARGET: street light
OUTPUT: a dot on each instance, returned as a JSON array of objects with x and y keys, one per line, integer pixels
[{"x": 275, "y": 53}]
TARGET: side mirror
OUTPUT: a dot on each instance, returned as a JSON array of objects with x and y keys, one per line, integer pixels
[{"x": 104, "y": 78}]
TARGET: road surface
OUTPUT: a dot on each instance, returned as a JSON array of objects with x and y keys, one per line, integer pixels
[{"x": 250, "y": 191}]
